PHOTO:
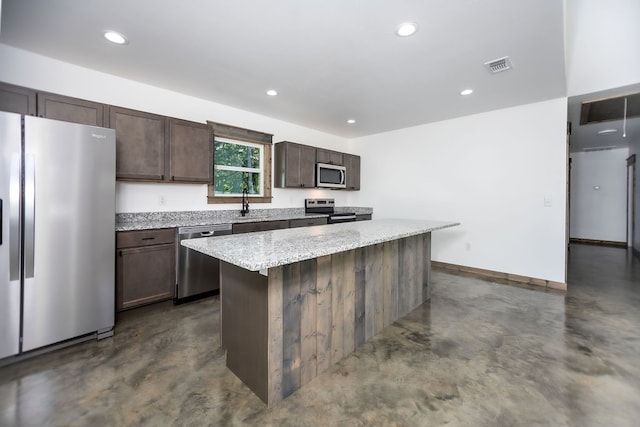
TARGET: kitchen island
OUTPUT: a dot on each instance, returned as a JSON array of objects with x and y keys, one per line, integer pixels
[{"x": 296, "y": 301}]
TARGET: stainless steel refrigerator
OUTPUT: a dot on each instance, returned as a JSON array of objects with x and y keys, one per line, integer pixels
[{"x": 57, "y": 204}]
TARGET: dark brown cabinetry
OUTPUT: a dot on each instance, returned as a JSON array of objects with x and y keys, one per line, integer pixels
[
  {"x": 190, "y": 152},
  {"x": 140, "y": 144},
  {"x": 294, "y": 165},
  {"x": 22, "y": 100},
  {"x": 329, "y": 156},
  {"x": 352, "y": 163},
  {"x": 58, "y": 107},
  {"x": 145, "y": 267},
  {"x": 307, "y": 222},
  {"x": 250, "y": 227},
  {"x": 16, "y": 99},
  {"x": 150, "y": 147}
]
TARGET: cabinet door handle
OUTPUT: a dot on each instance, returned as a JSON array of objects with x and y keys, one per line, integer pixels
[
  {"x": 120, "y": 253},
  {"x": 148, "y": 238},
  {"x": 173, "y": 178}
]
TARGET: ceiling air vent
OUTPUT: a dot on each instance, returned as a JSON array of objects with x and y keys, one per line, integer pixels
[{"x": 498, "y": 65}]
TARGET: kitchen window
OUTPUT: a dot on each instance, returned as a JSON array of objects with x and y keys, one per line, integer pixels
[
  {"x": 241, "y": 161},
  {"x": 237, "y": 166}
]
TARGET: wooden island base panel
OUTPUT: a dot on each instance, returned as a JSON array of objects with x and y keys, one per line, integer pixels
[
  {"x": 283, "y": 329},
  {"x": 298, "y": 300}
]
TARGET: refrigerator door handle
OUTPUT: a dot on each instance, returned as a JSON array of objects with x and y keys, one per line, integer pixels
[
  {"x": 14, "y": 218},
  {"x": 1, "y": 221},
  {"x": 29, "y": 214}
]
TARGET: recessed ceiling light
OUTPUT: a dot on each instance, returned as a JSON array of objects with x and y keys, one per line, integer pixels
[
  {"x": 272, "y": 92},
  {"x": 607, "y": 131},
  {"x": 351, "y": 121},
  {"x": 466, "y": 92},
  {"x": 115, "y": 37},
  {"x": 407, "y": 29}
]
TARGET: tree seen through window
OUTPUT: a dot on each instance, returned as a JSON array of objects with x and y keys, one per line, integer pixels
[{"x": 237, "y": 167}]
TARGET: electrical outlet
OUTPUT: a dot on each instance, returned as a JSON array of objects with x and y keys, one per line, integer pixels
[
  {"x": 163, "y": 201},
  {"x": 467, "y": 246}
]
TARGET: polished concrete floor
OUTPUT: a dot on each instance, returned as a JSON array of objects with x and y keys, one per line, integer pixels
[{"x": 480, "y": 353}]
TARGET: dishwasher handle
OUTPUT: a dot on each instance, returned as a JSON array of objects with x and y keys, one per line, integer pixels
[{"x": 191, "y": 232}]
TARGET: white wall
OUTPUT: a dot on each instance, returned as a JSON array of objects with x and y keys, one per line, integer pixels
[
  {"x": 491, "y": 172},
  {"x": 27, "y": 69},
  {"x": 603, "y": 41},
  {"x": 599, "y": 195}
]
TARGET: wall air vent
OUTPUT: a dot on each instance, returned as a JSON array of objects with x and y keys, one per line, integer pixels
[
  {"x": 498, "y": 65},
  {"x": 608, "y": 147}
]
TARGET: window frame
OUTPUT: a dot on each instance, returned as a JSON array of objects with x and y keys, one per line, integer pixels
[{"x": 234, "y": 134}]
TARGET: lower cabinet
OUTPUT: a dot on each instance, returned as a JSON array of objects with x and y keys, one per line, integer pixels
[
  {"x": 363, "y": 217},
  {"x": 145, "y": 267},
  {"x": 250, "y": 227},
  {"x": 307, "y": 222}
]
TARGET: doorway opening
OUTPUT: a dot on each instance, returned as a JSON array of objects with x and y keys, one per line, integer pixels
[{"x": 631, "y": 201}]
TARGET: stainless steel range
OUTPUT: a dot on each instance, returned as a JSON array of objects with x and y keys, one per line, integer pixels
[{"x": 327, "y": 206}]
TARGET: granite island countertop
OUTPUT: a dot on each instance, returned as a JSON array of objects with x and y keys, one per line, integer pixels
[{"x": 267, "y": 249}]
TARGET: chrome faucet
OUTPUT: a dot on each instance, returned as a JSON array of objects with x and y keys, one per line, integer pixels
[{"x": 245, "y": 203}]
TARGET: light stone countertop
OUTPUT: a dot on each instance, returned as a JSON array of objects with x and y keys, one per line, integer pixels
[
  {"x": 157, "y": 220},
  {"x": 267, "y": 249}
]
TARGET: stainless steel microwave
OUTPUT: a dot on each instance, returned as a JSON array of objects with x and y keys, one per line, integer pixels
[{"x": 331, "y": 176}]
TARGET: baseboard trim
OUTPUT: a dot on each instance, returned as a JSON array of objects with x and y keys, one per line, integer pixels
[
  {"x": 599, "y": 242},
  {"x": 499, "y": 275}
]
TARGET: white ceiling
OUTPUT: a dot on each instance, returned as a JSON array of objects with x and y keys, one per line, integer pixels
[{"x": 330, "y": 60}]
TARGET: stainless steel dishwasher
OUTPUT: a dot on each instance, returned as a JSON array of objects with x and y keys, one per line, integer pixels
[{"x": 198, "y": 274}]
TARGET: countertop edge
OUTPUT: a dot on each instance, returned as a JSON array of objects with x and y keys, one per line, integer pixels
[
  {"x": 303, "y": 256},
  {"x": 151, "y": 224}
]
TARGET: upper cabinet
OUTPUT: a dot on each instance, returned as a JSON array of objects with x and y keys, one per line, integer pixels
[
  {"x": 58, "y": 107},
  {"x": 150, "y": 147},
  {"x": 27, "y": 101},
  {"x": 190, "y": 152},
  {"x": 294, "y": 165},
  {"x": 140, "y": 144},
  {"x": 16, "y": 99},
  {"x": 329, "y": 157},
  {"x": 352, "y": 163}
]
